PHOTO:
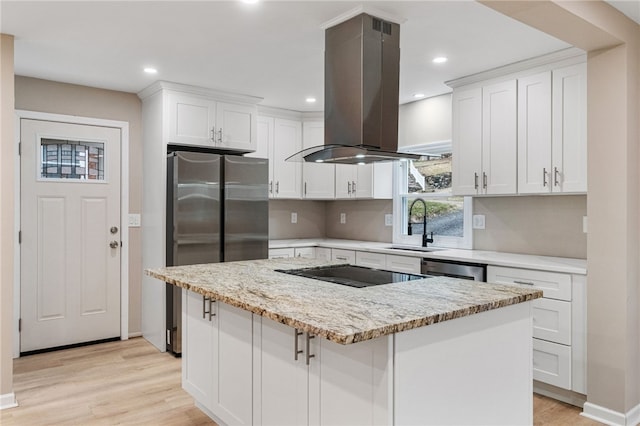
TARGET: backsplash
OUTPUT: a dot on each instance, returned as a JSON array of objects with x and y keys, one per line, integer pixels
[
  {"x": 310, "y": 219},
  {"x": 364, "y": 220},
  {"x": 539, "y": 225}
]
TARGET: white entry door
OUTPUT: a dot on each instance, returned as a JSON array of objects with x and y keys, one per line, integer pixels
[{"x": 70, "y": 231}]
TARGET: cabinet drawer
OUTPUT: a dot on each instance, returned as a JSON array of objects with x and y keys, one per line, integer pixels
[
  {"x": 306, "y": 252},
  {"x": 370, "y": 260},
  {"x": 281, "y": 253},
  {"x": 552, "y": 320},
  {"x": 323, "y": 253},
  {"x": 554, "y": 285},
  {"x": 409, "y": 265},
  {"x": 552, "y": 363},
  {"x": 348, "y": 256}
]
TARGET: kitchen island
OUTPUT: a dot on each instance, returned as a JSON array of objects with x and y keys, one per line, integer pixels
[{"x": 264, "y": 347}]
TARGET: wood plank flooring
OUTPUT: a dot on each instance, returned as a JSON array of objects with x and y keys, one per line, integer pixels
[{"x": 130, "y": 382}]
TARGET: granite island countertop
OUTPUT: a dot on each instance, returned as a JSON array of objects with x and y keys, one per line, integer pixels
[{"x": 336, "y": 312}]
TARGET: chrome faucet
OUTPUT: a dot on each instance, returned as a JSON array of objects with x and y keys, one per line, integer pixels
[{"x": 425, "y": 238}]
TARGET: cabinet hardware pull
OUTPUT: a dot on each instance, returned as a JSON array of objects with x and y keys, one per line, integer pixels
[
  {"x": 220, "y": 135},
  {"x": 349, "y": 188},
  {"x": 523, "y": 282},
  {"x": 341, "y": 258},
  {"x": 484, "y": 180},
  {"x": 270, "y": 187},
  {"x": 211, "y": 313},
  {"x": 277, "y": 187},
  {"x": 204, "y": 307},
  {"x": 213, "y": 134},
  {"x": 475, "y": 181},
  {"x": 544, "y": 176},
  {"x": 353, "y": 186},
  {"x": 296, "y": 350},
  {"x": 305, "y": 188},
  {"x": 308, "y": 354},
  {"x": 555, "y": 176}
]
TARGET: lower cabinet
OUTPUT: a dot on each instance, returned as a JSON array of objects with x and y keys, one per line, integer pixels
[
  {"x": 217, "y": 344},
  {"x": 335, "y": 385}
]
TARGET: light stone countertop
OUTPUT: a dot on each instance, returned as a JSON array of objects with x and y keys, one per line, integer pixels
[
  {"x": 514, "y": 260},
  {"x": 336, "y": 312}
]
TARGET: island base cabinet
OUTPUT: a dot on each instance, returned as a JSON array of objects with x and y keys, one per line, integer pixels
[
  {"x": 472, "y": 370},
  {"x": 217, "y": 355},
  {"x": 341, "y": 385}
]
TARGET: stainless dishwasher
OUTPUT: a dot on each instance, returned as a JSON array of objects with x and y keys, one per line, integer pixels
[{"x": 450, "y": 268}]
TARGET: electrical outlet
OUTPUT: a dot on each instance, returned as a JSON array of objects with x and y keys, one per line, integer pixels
[
  {"x": 343, "y": 218},
  {"x": 134, "y": 220},
  {"x": 294, "y": 217},
  {"x": 388, "y": 220},
  {"x": 478, "y": 221},
  {"x": 584, "y": 224}
]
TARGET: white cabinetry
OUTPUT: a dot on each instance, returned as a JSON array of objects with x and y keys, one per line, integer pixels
[
  {"x": 340, "y": 255},
  {"x": 364, "y": 181},
  {"x": 552, "y": 148},
  {"x": 281, "y": 253},
  {"x": 277, "y": 140},
  {"x": 337, "y": 385},
  {"x": 203, "y": 121},
  {"x": 407, "y": 264},
  {"x": 559, "y": 324},
  {"x": 370, "y": 259},
  {"x": 484, "y": 139},
  {"x": 318, "y": 180},
  {"x": 218, "y": 347}
]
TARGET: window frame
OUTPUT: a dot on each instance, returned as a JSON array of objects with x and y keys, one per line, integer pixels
[{"x": 400, "y": 215}]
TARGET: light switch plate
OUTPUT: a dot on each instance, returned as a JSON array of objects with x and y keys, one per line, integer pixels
[
  {"x": 134, "y": 220},
  {"x": 294, "y": 217},
  {"x": 388, "y": 220},
  {"x": 478, "y": 221},
  {"x": 343, "y": 218}
]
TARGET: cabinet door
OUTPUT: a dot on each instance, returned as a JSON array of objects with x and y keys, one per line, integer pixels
[
  {"x": 306, "y": 252},
  {"x": 191, "y": 120},
  {"x": 373, "y": 181},
  {"x": 236, "y": 125},
  {"x": 570, "y": 129},
  {"x": 552, "y": 320},
  {"x": 282, "y": 397},
  {"x": 350, "y": 384},
  {"x": 197, "y": 347},
  {"x": 318, "y": 180},
  {"x": 345, "y": 177},
  {"x": 534, "y": 134},
  {"x": 281, "y": 253},
  {"x": 499, "y": 143},
  {"x": 407, "y": 264},
  {"x": 323, "y": 253},
  {"x": 286, "y": 174},
  {"x": 552, "y": 363},
  {"x": 232, "y": 357},
  {"x": 467, "y": 141}
]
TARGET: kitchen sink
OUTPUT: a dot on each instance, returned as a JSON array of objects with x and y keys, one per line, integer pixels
[{"x": 415, "y": 248}]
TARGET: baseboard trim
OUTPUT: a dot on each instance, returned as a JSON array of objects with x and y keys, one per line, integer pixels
[
  {"x": 8, "y": 400},
  {"x": 610, "y": 417},
  {"x": 137, "y": 334},
  {"x": 570, "y": 397}
]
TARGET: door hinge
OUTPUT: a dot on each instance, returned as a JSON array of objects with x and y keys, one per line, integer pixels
[
  {"x": 19, "y": 237},
  {"x": 19, "y": 325}
]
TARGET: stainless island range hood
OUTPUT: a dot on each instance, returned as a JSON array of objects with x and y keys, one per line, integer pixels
[{"x": 362, "y": 74}]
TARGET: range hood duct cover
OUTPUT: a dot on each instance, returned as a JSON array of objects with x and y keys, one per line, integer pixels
[{"x": 362, "y": 75}]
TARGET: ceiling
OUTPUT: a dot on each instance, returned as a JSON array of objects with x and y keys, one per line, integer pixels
[{"x": 272, "y": 49}]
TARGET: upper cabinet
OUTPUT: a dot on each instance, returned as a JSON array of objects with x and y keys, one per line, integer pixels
[
  {"x": 524, "y": 133},
  {"x": 364, "y": 181},
  {"x": 484, "y": 140},
  {"x": 203, "y": 121},
  {"x": 318, "y": 180}
]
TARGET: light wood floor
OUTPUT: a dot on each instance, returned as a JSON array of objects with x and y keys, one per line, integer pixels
[{"x": 130, "y": 382}]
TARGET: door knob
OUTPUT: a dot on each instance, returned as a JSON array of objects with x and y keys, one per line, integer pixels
[
  {"x": 113, "y": 229},
  {"x": 113, "y": 244}
]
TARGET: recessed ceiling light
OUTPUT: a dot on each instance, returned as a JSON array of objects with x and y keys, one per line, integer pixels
[
  {"x": 439, "y": 59},
  {"x": 150, "y": 70},
  {"x": 418, "y": 95},
  {"x": 310, "y": 100}
]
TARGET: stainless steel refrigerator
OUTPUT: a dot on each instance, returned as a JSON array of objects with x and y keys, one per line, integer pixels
[{"x": 217, "y": 211}]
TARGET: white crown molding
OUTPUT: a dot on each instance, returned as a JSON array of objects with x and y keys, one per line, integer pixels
[
  {"x": 288, "y": 114},
  {"x": 195, "y": 90},
  {"x": 8, "y": 400},
  {"x": 363, "y": 8},
  {"x": 610, "y": 417},
  {"x": 561, "y": 57}
]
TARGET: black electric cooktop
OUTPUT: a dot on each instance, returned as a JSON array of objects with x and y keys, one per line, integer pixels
[{"x": 354, "y": 276}]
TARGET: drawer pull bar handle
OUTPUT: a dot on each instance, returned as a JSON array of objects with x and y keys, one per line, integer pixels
[
  {"x": 204, "y": 307},
  {"x": 523, "y": 282},
  {"x": 309, "y": 356},
  {"x": 296, "y": 350}
]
